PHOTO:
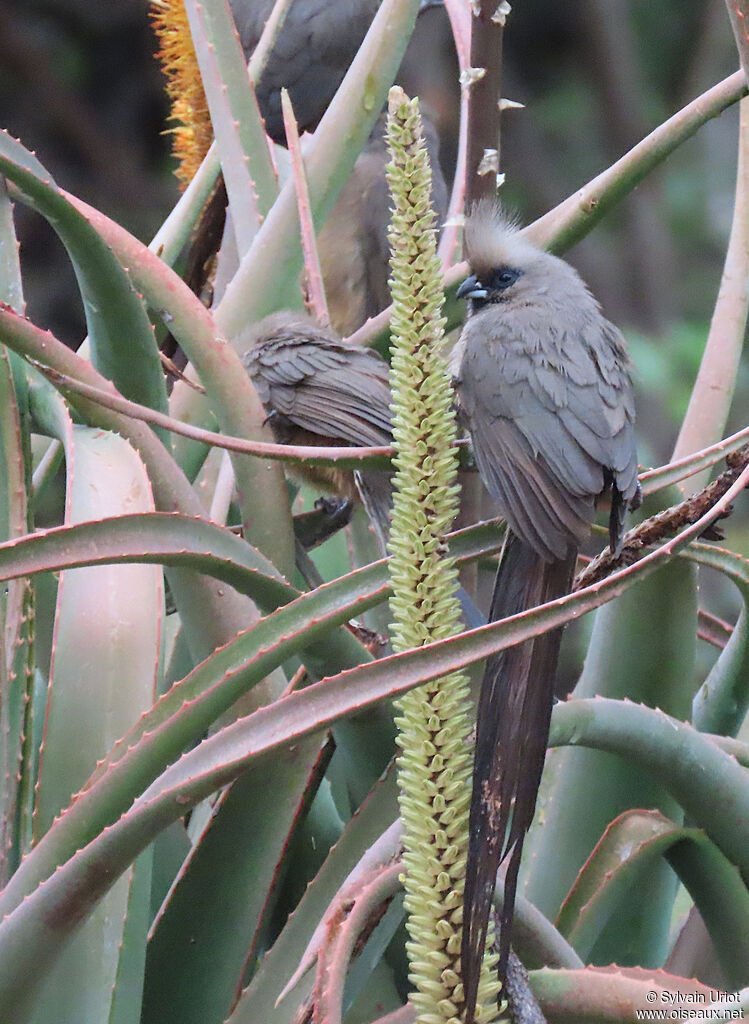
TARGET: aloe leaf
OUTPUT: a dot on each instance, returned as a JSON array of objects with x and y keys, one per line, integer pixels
[
  {"x": 621, "y": 862},
  {"x": 156, "y": 537},
  {"x": 113, "y": 613},
  {"x": 240, "y": 136},
  {"x": 615, "y": 995},
  {"x": 212, "y": 614},
  {"x": 107, "y": 630},
  {"x": 122, "y": 340},
  {"x": 721, "y": 703},
  {"x": 709, "y": 784},
  {"x": 259, "y": 999},
  {"x": 261, "y": 487},
  {"x": 243, "y": 663},
  {"x": 203, "y": 935},
  {"x": 16, "y": 617},
  {"x": 722, "y": 899},
  {"x": 268, "y": 275},
  {"x": 574, "y": 217},
  {"x": 17, "y": 600}
]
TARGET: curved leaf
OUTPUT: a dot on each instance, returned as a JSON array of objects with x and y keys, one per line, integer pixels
[
  {"x": 721, "y": 703},
  {"x": 200, "y": 942},
  {"x": 621, "y": 861},
  {"x": 709, "y": 784},
  {"x": 122, "y": 340},
  {"x": 261, "y": 999},
  {"x": 219, "y": 681},
  {"x": 212, "y": 614},
  {"x": 614, "y": 995},
  {"x": 164, "y": 538},
  {"x": 240, "y": 137},
  {"x": 107, "y": 630}
]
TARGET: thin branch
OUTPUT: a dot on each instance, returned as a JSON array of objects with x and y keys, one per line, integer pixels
[
  {"x": 665, "y": 524},
  {"x": 315, "y": 298},
  {"x": 262, "y": 449},
  {"x": 678, "y": 469},
  {"x": 571, "y": 220},
  {"x": 460, "y": 22}
]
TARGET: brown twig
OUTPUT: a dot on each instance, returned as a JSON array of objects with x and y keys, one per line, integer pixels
[
  {"x": 517, "y": 990},
  {"x": 664, "y": 524},
  {"x": 485, "y": 80}
]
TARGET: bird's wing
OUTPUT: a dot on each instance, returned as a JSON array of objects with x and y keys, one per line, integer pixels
[
  {"x": 327, "y": 389},
  {"x": 550, "y": 422}
]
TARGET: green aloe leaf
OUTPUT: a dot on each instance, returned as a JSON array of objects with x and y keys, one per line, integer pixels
[
  {"x": 17, "y": 600},
  {"x": 156, "y": 537},
  {"x": 718, "y": 798},
  {"x": 721, "y": 703},
  {"x": 201, "y": 940},
  {"x": 123, "y": 345},
  {"x": 722, "y": 899},
  {"x": 268, "y": 276},
  {"x": 621, "y": 862},
  {"x": 219, "y": 681},
  {"x": 615, "y": 995},
  {"x": 211, "y": 613},
  {"x": 260, "y": 1000},
  {"x": 105, "y": 655},
  {"x": 713, "y": 789},
  {"x": 229, "y": 393},
  {"x": 240, "y": 137}
]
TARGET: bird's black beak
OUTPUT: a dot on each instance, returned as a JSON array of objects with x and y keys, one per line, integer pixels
[{"x": 471, "y": 288}]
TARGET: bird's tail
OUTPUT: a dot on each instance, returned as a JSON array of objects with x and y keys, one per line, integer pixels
[
  {"x": 376, "y": 492},
  {"x": 512, "y": 730}
]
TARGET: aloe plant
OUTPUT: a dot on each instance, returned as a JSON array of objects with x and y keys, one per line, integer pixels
[{"x": 185, "y": 835}]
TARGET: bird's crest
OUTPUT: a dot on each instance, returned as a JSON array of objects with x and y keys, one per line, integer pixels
[{"x": 492, "y": 239}]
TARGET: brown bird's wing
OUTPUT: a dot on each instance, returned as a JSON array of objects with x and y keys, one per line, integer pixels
[
  {"x": 551, "y": 423},
  {"x": 327, "y": 389}
]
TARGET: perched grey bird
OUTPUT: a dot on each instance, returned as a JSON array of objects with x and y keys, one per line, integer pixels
[
  {"x": 318, "y": 391},
  {"x": 353, "y": 244},
  {"x": 543, "y": 387},
  {"x": 315, "y": 46}
]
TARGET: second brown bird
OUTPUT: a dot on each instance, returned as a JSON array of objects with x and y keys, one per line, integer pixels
[{"x": 318, "y": 391}]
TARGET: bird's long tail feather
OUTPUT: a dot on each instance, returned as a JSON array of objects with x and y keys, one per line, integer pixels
[{"x": 512, "y": 730}]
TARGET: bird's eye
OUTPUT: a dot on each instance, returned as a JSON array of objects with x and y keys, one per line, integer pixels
[{"x": 504, "y": 277}]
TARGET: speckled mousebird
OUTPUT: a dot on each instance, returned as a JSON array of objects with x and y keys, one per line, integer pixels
[
  {"x": 318, "y": 391},
  {"x": 544, "y": 389}
]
